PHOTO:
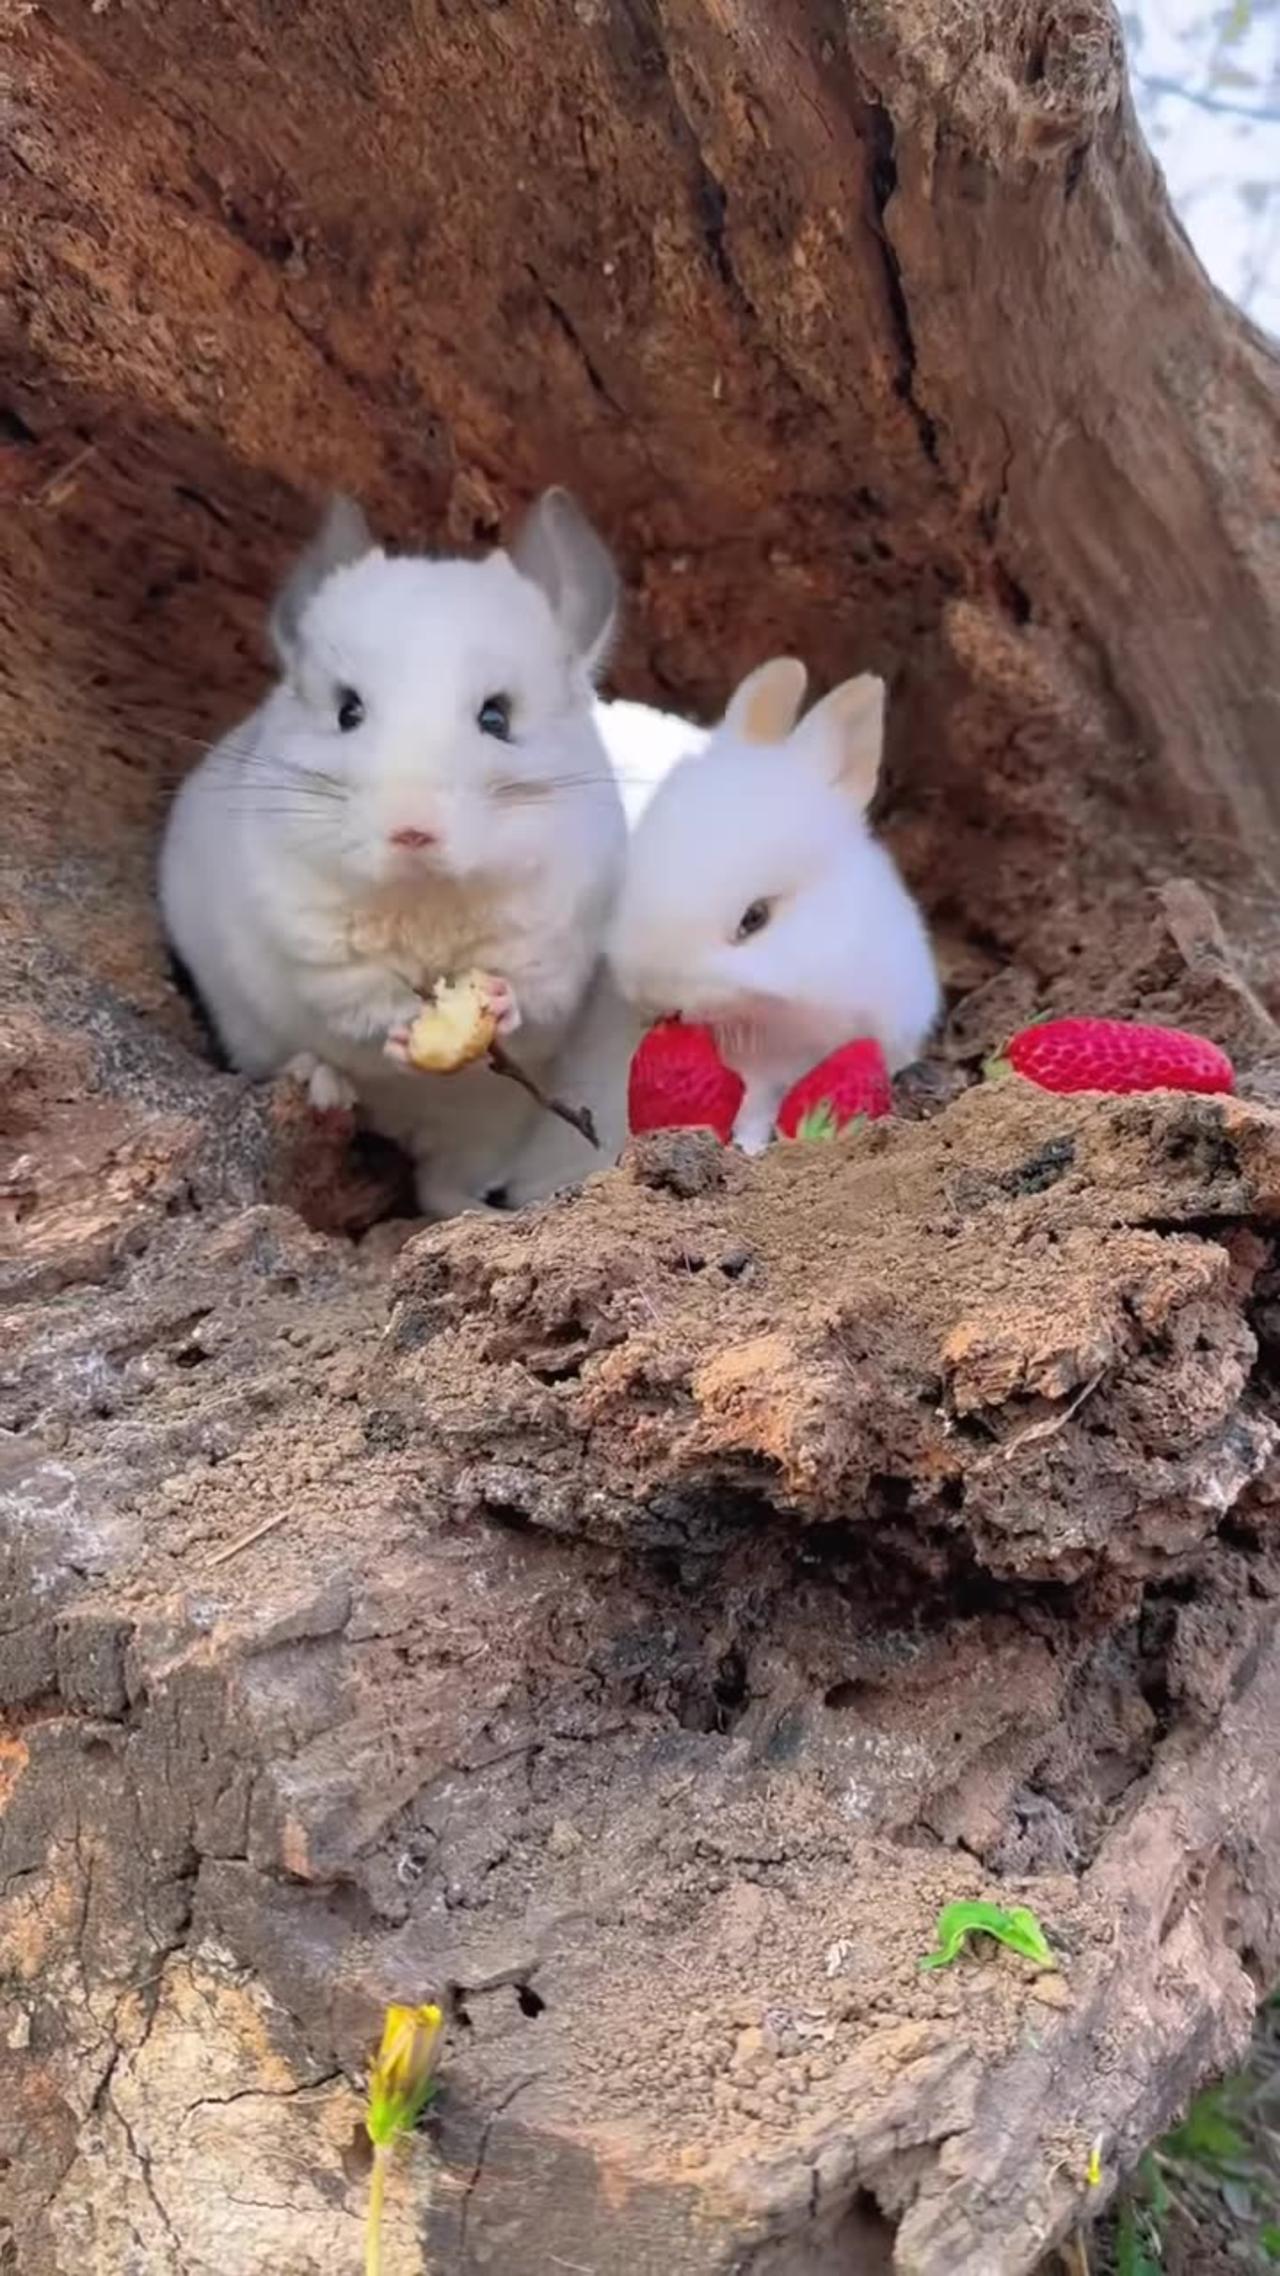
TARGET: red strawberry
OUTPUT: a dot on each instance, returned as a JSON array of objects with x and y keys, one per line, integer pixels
[
  {"x": 1117, "y": 1055},
  {"x": 850, "y": 1082},
  {"x": 678, "y": 1081}
]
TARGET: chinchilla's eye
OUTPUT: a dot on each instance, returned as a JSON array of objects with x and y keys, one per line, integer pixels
[
  {"x": 754, "y": 918},
  {"x": 350, "y": 710},
  {"x": 494, "y": 717}
]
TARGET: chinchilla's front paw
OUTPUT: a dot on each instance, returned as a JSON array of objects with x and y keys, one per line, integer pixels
[
  {"x": 328, "y": 1091},
  {"x": 500, "y": 1001},
  {"x": 395, "y": 1043},
  {"x": 460, "y": 1024}
]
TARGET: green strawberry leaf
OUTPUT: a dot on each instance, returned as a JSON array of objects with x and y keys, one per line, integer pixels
[
  {"x": 819, "y": 1122},
  {"x": 1015, "y": 1926},
  {"x": 998, "y": 1065},
  {"x": 822, "y": 1121}
]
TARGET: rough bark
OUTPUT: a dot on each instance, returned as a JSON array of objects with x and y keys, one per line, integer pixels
[{"x": 634, "y": 1623}]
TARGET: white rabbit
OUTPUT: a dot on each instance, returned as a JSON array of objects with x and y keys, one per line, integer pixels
[
  {"x": 757, "y": 900},
  {"x": 590, "y": 1070},
  {"x": 426, "y": 791}
]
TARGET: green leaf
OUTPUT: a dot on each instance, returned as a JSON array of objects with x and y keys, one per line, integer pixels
[
  {"x": 1132, "y": 2255},
  {"x": 1152, "y": 2184},
  {"x": 822, "y": 1121},
  {"x": 1207, "y": 2134},
  {"x": 819, "y": 1122},
  {"x": 1014, "y": 1926},
  {"x": 997, "y": 1066},
  {"x": 1269, "y": 2240}
]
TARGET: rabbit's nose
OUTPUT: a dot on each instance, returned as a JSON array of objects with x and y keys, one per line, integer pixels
[{"x": 412, "y": 840}]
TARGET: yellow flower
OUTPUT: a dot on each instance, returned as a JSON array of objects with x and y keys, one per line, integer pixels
[
  {"x": 400, "y": 2081},
  {"x": 399, "y": 2090},
  {"x": 1093, "y": 2171}
]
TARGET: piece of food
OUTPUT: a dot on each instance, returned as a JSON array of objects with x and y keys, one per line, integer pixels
[
  {"x": 847, "y": 1084},
  {"x": 1117, "y": 1055},
  {"x": 457, "y": 1026},
  {"x": 678, "y": 1081}
]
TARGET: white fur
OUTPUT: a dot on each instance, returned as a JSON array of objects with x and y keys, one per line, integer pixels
[
  {"x": 844, "y": 953},
  {"x": 643, "y": 745},
  {"x": 590, "y": 1070},
  {"x": 310, "y": 936},
  {"x": 591, "y": 1067}
]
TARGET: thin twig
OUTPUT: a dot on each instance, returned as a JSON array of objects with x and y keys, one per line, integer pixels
[
  {"x": 1153, "y": 83},
  {"x": 1047, "y": 1426},
  {"x": 246, "y": 1540},
  {"x": 579, "y": 1118},
  {"x": 54, "y": 490},
  {"x": 1050, "y": 1425}
]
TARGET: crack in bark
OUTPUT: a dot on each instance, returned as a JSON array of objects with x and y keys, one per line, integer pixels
[
  {"x": 568, "y": 330},
  {"x": 142, "y": 2160},
  {"x": 503, "y": 2104},
  {"x": 268, "y": 2093},
  {"x": 884, "y": 183},
  {"x": 711, "y": 204}
]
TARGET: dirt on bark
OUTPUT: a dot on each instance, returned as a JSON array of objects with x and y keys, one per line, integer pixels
[{"x": 631, "y": 1624}]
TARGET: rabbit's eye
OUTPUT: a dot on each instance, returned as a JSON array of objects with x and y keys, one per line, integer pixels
[
  {"x": 350, "y": 710},
  {"x": 494, "y": 717},
  {"x": 754, "y": 918}
]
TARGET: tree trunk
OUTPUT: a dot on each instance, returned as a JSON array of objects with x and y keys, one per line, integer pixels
[{"x": 633, "y": 1624}]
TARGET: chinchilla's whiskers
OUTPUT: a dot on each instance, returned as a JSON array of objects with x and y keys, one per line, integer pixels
[
  {"x": 269, "y": 764},
  {"x": 247, "y": 756},
  {"x": 162, "y": 731},
  {"x": 278, "y": 798},
  {"x": 317, "y": 793},
  {"x": 522, "y": 793},
  {"x": 279, "y": 809},
  {"x": 250, "y": 769}
]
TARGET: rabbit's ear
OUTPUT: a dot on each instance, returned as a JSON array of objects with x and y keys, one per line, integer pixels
[
  {"x": 847, "y": 731},
  {"x": 763, "y": 709},
  {"x": 344, "y": 536},
  {"x": 559, "y": 552}
]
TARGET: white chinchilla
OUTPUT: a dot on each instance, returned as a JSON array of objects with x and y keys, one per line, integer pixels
[
  {"x": 426, "y": 791},
  {"x": 757, "y": 900}
]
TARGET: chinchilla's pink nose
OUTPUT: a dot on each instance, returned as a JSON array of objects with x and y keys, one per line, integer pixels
[{"x": 412, "y": 840}]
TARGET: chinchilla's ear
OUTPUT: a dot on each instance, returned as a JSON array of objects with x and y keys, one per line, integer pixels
[
  {"x": 847, "y": 729},
  {"x": 560, "y": 553},
  {"x": 763, "y": 709},
  {"x": 344, "y": 536}
]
